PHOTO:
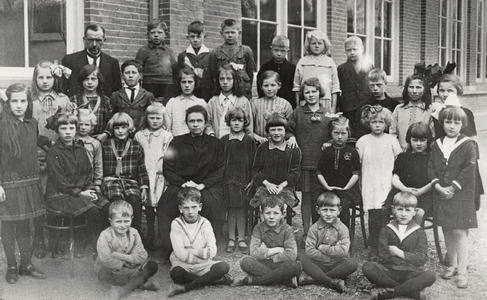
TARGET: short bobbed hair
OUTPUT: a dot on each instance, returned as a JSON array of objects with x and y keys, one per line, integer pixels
[
  {"x": 276, "y": 120},
  {"x": 420, "y": 130},
  {"x": 453, "y": 113},
  {"x": 86, "y": 113},
  {"x": 372, "y": 112},
  {"x": 405, "y": 199},
  {"x": 66, "y": 119},
  {"x": 120, "y": 119},
  {"x": 320, "y": 36},
  {"x": 454, "y": 79},
  {"x": 189, "y": 194},
  {"x": 314, "y": 82},
  {"x": 237, "y": 113}
]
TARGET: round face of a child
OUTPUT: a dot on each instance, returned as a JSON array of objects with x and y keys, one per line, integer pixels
[
  {"x": 419, "y": 145},
  {"x": 279, "y": 53},
  {"x": 277, "y": 134},
  {"x": 157, "y": 35},
  {"x": 272, "y": 216},
  {"x": 121, "y": 132},
  {"x": 237, "y": 124},
  {"x": 445, "y": 89},
  {"x": 66, "y": 133},
  {"x": 354, "y": 51},
  {"x": 196, "y": 123},
  {"x": 311, "y": 94},
  {"x": 84, "y": 125},
  {"x": 44, "y": 79},
  {"x": 328, "y": 214},
  {"x": 270, "y": 87},
  {"x": 452, "y": 127},
  {"x": 403, "y": 214},
  {"x": 230, "y": 34},
  {"x": 155, "y": 121},
  {"x": 120, "y": 223},
  {"x": 226, "y": 81},
  {"x": 190, "y": 210},
  {"x": 131, "y": 76},
  {"x": 18, "y": 104},
  {"x": 377, "y": 125},
  {"x": 416, "y": 90},
  {"x": 90, "y": 83},
  {"x": 316, "y": 47},
  {"x": 339, "y": 134},
  {"x": 187, "y": 84}
]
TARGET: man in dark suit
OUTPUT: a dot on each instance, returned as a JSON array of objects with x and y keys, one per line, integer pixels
[{"x": 92, "y": 54}]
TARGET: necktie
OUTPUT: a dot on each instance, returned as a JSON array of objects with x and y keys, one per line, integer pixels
[{"x": 132, "y": 95}]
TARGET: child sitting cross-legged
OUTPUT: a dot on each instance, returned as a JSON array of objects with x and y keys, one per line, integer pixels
[
  {"x": 121, "y": 261},
  {"x": 194, "y": 247},
  {"x": 403, "y": 250},
  {"x": 273, "y": 249},
  {"x": 327, "y": 246}
]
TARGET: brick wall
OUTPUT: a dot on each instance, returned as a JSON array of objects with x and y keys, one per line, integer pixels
[
  {"x": 409, "y": 37},
  {"x": 337, "y": 28},
  {"x": 429, "y": 31},
  {"x": 125, "y": 24}
]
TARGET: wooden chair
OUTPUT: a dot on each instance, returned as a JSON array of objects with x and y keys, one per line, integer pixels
[{"x": 357, "y": 212}]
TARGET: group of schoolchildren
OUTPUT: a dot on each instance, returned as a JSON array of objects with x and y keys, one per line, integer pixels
[{"x": 108, "y": 157}]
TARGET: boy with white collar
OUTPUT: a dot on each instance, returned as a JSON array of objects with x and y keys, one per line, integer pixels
[{"x": 403, "y": 250}]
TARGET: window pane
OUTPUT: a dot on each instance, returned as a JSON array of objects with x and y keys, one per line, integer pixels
[
  {"x": 458, "y": 60},
  {"x": 485, "y": 66},
  {"x": 267, "y": 33},
  {"x": 479, "y": 65},
  {"x": 387, "y": 19},
  {"x": 47, "y": 30},
  {"x": 378, "y": 18},
  {"x": 294, "y": 12},
  {"x": 12, "y": 34},
  {"x": 459, "y": 10},
  {"x": 443, "y": 57},
  {"x": 249, "y": 9},
  {"x": 480, "y": 14},
  {"x": 454, "y": 35},
  {"x": 378, "y": 53},
  {"x": 387, "y": 57},
  {"x": 459, "y": 36},
  {"x": 268, "y": 10},
  {"x": 249, "y": 35},
  {"x": 294, "y": 34},
  {"x": 443, "y": 33},
  {"x": 443, "y": 7},
  {"x": 360, "y": 17},
  {"x": 350, "y": 16},
  {"x": 310, "y": 13}
]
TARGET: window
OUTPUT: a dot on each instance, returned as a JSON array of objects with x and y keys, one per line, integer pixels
[
  {"x": 451, "y": 33},
  {"x": 375, "y": 22},
  {"x": 264, "y": 19},
  {"x": 32, "y": 31},
  {"x": 481, "y": 42}
]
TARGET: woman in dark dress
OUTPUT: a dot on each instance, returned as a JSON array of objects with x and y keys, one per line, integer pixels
[{"x": 193, "y": 160}]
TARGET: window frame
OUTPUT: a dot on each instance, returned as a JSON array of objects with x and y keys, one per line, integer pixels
[
  {"x": 74, "y": 30},
  {"x": 482, "y": 51}
]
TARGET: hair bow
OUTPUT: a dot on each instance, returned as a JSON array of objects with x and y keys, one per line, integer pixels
[
  {"x": 60, "y": 70},
  {"x": 333, "y": 117},
  {"x": 433, "y": 72}
]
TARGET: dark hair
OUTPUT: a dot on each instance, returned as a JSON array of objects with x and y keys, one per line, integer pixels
[
  {"x": 420, "y": 130},
  {"x": 9, "y": 128},
  {"x": 187, "y": 71},
  {"x": 427, "y": 91},
  {"x": 196, "y": 109},
  {"x": 314, "y": 82},
  {"x": 85, "y": 72},
  {"x": 276, "y": 120},
  {"x": 328, "y": 199},
  {"x": 453, "y": 113},
  {"x": 132, "y": 62},
  {"x": 156, "y": 23},
  {"x": 189, "y": 194},
  {"x": 341, "y": 121},
  {"x": 272, "y": 201},
  {"x": 230, "y": 22},
  {"x": 237, "y": 85},
  {"x": 267, "y": 75},
  {"x": 197, "y": 27},
  {"x": 95, "y": 27},
  {"x": 65, "y": 119},
  {"x": 237, "y": 112}
]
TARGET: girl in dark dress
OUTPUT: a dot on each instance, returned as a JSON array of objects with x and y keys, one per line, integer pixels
[
  {"x": 451, "y": 170},
  {"x": 70, "y": 188},
  {"x": 20, "y": 185},
  {"x": 239, "y": 155},
  {"x": 411, "y": 170}
]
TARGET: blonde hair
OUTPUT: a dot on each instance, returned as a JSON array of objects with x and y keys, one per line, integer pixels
[
  {"x": 320, "y": 36},
  {"x": 120, "y": 207},
  {"x": 86, "y": 113},
  {"x": 372, "y": 112},
  {"x": 44, "y": 64},
  {"x": 155, "y": 108}
]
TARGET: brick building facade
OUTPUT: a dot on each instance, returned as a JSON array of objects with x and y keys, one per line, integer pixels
[{"x": 396, "y": 33}]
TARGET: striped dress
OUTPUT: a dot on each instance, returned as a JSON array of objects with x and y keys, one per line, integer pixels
[{"x": 263, "y": 108}]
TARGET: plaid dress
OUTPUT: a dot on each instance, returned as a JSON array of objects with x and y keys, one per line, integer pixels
[
  {"x": 133, "y": 173},
  {"x": 100, "y": 106}
]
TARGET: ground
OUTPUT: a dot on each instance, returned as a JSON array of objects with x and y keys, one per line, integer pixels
[{"x": 85, "y": 285}]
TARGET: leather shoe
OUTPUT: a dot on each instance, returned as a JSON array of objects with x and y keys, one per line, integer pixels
[
  {"x": 462, "y": 281},
  {"x": 12, "y": 275},
  {"x": 231, "y": 246},
  {"x": 31, "y": 271},
  {"x": 449, "y": 273}
]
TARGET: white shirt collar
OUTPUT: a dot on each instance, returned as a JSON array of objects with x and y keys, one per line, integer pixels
[
  {"x": 239, "y": 136},
  {"x": 203, "y": 49},
  {"x": 222, "y": 98},
  {"x": 281, "y": 147}
]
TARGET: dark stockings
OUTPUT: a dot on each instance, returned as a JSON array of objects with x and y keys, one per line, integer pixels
[{"x": 16, "y": 231}]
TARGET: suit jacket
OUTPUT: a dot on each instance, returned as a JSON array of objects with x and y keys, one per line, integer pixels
[
  {"x": 354, "y": 86},
  {"x": 109, "y": 66},
  {"x": 136, "y": 109}
]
